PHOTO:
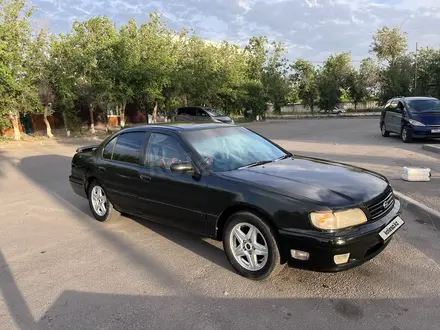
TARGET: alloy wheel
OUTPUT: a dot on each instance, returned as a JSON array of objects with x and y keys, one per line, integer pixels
[
  {"x": 249, "y": 247},
  {"x": 99, "y": 201}
]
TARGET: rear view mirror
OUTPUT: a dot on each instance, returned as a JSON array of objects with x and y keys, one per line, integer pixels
[{"x": 184, "y": 167}]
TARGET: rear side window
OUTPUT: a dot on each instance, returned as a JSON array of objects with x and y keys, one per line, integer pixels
[
  {"x": 128, "y": 147},
  {"x": 108, "y": 150},
  {"x": 181, "y": 112}
]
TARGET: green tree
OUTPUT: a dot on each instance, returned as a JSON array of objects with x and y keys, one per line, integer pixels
[
  {"x": 333, "y": 80},
  {"x": 363, "y": 83},
  {"x": 275, "y": 78},
  {"x": 389, "y": 44},
  {"x": 428, "y": 73},
  {"x": 18, "y": 91},
  {"x": 397, "y": 80},
  {"x": 304, "y": 78}
]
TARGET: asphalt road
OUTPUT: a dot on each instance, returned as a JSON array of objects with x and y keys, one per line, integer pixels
[{"x": 61, "y": 269}]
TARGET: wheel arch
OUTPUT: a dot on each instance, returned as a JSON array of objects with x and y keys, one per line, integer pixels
[{"x": 242, "y": 207}]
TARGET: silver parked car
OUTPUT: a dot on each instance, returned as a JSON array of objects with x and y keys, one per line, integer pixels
[{"x": 201, "y": 114}]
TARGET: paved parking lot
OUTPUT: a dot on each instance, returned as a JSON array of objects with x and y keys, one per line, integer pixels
[{"x": 61, "y": 269}]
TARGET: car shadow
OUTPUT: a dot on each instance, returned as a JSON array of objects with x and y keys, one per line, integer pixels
[
  {"x": 51, "y": 170},
  {"x": 93, "y": 310}
]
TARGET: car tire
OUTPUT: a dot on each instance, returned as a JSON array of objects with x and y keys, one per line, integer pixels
[
  {"x": 384, "y": 131},
  {"x": 406, "y": 135},
  {"x": 100, "y": 204},
  {"x": 256, "y": 257}
]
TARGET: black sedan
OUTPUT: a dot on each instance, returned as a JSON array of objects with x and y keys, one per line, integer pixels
[{"x": 269, "y": 207}]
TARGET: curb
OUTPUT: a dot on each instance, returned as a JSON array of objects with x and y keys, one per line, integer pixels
[
  {"x": 412, "y": 205},
  {"x": 432, "y": 148}
]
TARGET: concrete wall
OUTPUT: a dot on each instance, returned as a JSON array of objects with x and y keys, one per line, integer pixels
[{"x": 299, "y": 108}]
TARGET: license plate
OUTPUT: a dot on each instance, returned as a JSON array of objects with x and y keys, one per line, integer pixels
[
  {"x": 435, "y": 130},
  {"x": 391, "y": 228}
]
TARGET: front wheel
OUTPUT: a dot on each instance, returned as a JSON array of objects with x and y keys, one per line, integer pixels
[
  {"x": 406, "y": 135},
  {"x": 251, "y": 247},
  {"x": 100, "y": 205}
]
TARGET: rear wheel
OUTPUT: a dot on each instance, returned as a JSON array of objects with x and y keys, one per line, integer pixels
[
  {"x": 251, "y": 247},
  {"x": 406, "y": 135},
  {"x": 384, "y": 131},
  {"x": 100, "y": 205}
]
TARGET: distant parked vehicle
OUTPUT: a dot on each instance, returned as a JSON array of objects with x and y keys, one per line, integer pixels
[
  {"x": 411, "y": 117},
  {"x": 201, "y": 114},
  {"x": 336, "y": 110}
]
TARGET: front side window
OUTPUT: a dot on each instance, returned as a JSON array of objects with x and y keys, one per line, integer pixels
[
  {"x": 108, "y": 149},
  {"x": 424, "y": 106},
  {"x": 128, "y": 147},
  {"x": 164, "y": 150},
  {"x": 227, "y": 149}
]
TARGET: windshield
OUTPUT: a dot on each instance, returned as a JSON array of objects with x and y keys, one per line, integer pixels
[
  {"x": 231, "y": 148},
  {"x": 214, "y": 112},
  {"x": 424, "y": 106}
]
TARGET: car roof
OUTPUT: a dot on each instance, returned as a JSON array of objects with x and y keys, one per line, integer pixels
[
  {"x": 413, "y": 98},
  {"x": 178, "y": 127}
]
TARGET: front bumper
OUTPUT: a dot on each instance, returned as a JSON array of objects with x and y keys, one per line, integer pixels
[
  {"x": 362, "y": 242},
  {"x": 424, "y": 132}
]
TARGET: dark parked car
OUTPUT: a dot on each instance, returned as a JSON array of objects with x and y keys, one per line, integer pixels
[
  {"x": 411, "y": 117},
  {"x": 269, "y": 207},
  {"x": 201, "y": 115}
]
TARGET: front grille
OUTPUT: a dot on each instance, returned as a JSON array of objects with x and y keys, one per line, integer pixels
[{"x": 382, "y": 205}]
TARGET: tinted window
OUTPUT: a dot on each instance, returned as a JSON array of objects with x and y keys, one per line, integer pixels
[
  {"x": 181, "y": 112},
  {"x": 427, "y": 105},
  {"x": 128, "y": 147},
  {"x": 202, "y": 113},
  {"x": 108, "y": 150},
  {"x": 227, "y": 149},
  {"x": 214, "y": 112},
  {"x": 164, "y": 150}
]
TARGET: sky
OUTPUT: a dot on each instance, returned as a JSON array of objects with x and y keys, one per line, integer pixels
[{"x": 310, "y": 29}]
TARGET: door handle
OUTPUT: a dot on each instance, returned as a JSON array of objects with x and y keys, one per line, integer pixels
[
  {"x": 101, "y": 169},
  {"x": 145, "y": 178}
]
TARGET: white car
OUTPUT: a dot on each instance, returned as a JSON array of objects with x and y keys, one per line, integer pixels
[{"x": 335, "y": 110}]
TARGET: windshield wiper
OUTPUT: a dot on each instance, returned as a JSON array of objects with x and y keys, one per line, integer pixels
[
  {"x": 260, "y": 162},
  {"x": 288, "y": 155}
]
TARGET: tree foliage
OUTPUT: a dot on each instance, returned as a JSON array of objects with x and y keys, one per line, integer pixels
[{"x": 99, "y": 67}]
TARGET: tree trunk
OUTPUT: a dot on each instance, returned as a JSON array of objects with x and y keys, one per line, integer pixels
[
  {"x": 13, "y": 115},
  {"x": 92, "y": 124},
  {"x": 66, "y": 127},
  {"x": 155, "y": 113},
  {"x": 48, "y": 128},
  {"x": 122, "y": 114},
  {"x": 355, "y": 106}
]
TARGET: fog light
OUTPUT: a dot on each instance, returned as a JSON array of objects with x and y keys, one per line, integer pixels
[
  {"x": 341, "y": 258},
  {"x": 300, "y": 255}
]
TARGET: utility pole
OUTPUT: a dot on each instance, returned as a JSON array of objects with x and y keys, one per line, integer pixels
[{"x": 415, "y": 75}]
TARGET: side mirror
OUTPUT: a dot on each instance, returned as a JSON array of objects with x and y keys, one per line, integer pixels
[{"x": 184, "y": 167}]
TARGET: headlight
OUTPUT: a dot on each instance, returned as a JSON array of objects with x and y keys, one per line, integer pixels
[
  {"x": 416, "y": 123},
  {"x": 329, "y": 220}
]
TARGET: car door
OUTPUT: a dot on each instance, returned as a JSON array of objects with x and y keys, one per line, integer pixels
[
  {"x": 203, "y": 116},
  {"x": 118, "y": 170},
  {"x": 398, "y": 117},
  {"x": 176, "y": 199},
  {"x": 390, "y": 118}
]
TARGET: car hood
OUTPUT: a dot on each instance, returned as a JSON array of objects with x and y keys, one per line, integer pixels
[
  {"x": 327, "y": 183},
  {"x": 427, "y": 118}
]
